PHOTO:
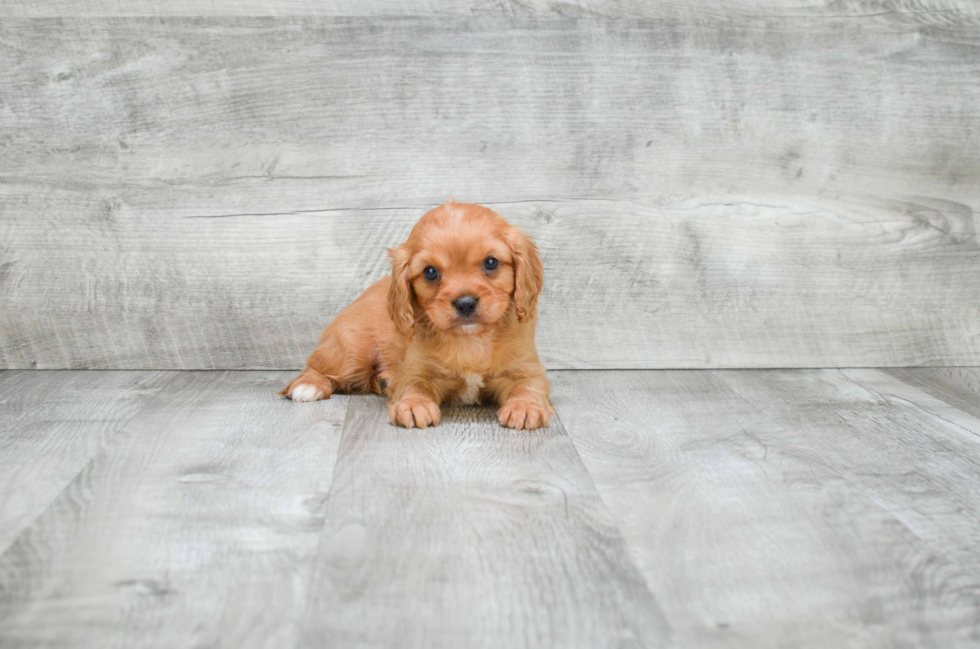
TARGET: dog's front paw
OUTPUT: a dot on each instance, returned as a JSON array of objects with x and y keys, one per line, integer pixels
[
  {"x": 523, "y": 415},
  {"x": 415, "y": 412}
]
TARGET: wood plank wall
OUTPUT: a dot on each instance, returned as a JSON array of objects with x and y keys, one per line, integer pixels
[{"x": 712, "y": 184}]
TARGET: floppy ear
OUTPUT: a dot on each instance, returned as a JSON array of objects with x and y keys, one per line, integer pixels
[
  {"x": 528, "y": 274},
  {"x": 400, "y": 293}
]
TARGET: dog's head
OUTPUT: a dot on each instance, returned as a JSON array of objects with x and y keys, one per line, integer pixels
[{"x": 465, "y": 270}]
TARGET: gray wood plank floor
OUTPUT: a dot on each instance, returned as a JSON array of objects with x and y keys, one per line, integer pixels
[
  {"x": 754, "y": 508},
  {"x": 51, "y": 425}
]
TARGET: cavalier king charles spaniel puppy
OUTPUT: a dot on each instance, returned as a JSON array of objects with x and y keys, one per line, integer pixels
[{"x": 453, "y": 323}]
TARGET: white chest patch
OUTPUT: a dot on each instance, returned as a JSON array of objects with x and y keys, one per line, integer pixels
[{"x": 471, "y": 391}]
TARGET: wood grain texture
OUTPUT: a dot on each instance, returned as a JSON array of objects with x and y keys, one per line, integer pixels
[
  {"x": 887, "y": 386},
  {"x": 936, "y": 11},
  {"x": 51, "y": 425},
  {"x": 714, "y": 192},
  {"x": 748, "y": 530},
  {"x": 471, "y": 535},
  {"x": 682, "y": 508},
  {"x": 922, "y": 468},
  {"x": 195, "y": 526},
  {"x": 689, "y": 284},
  {"x": 957, "y": 386}
]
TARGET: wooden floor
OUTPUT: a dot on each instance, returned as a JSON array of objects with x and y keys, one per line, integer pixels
[{"x": 791, "y": 508}]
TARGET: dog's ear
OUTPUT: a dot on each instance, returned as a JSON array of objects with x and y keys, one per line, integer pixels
[
  {"x": 528, "y": 274},
  {"x": 400, "y": 294}
]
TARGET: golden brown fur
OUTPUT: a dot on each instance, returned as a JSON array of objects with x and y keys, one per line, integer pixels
[{"x": 405, "y": 333}]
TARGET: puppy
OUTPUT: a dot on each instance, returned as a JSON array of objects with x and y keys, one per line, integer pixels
[{"x": 453, "y": 323}]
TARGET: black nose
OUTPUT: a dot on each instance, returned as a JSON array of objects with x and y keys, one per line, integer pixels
[{"x": 466, "y": 305}]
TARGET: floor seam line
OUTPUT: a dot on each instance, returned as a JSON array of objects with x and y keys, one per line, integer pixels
[
  {"x": 915, "y": 405},
  {"x": 95, "y": 456},
  {"x": 302, "y": 621}
]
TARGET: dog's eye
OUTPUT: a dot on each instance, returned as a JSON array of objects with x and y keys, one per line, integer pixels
[
  {"x": 430, "y": 273},
  {"x": 490, "y": 263}
]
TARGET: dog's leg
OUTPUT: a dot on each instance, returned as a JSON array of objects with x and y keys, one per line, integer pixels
[
  {"x": 350, "y": 347},
  {"x": 311, "y": 385},
  {"x": 413, "y": 401},
  {"x": 328, "y": 370},
  {"x": 415, "y": 410},
  {"x": 524, "y": 401}
]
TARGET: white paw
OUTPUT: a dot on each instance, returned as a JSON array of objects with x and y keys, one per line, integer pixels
[{"x": 305, "y": 392}]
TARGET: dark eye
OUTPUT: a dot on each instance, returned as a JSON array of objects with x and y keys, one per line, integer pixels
[
  {"x": 490, "y": 263},
  {"x": 430, "y": 273}
]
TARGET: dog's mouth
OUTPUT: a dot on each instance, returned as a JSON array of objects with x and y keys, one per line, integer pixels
[{"x": 467, "y": 325}]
